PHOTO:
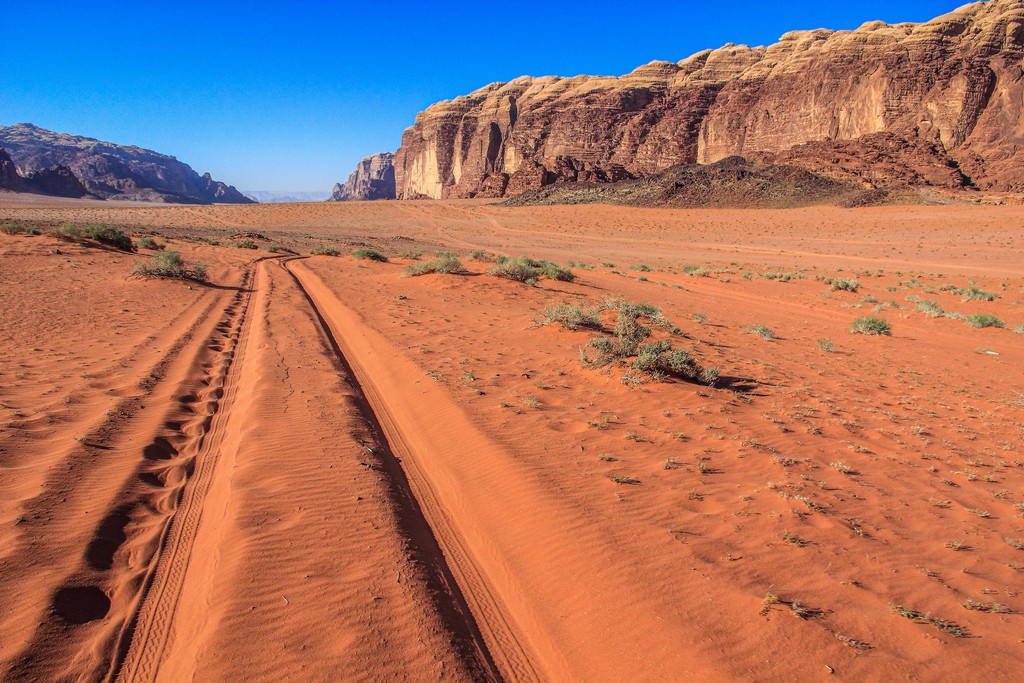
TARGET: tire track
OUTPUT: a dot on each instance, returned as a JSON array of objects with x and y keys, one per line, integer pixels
[
  {"x": 139, "y": 646},
  {"x": 461, "y": 584}
]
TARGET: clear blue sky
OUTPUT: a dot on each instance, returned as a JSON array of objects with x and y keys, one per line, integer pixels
[{"x": 289, "y": 95}]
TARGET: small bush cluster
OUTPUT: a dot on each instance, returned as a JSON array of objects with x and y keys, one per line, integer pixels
[
  {"x": 104, "y": 234},
  {"x": 486, "y": 256},
  {"x": 16, "y": 228},
  {"x": 929, "y": 308},
  {"x": 442, "y": 264},
  {"x": 150, "y": 243},
  {"x": 984, "y": 320},
  {"x": 843, "y": 284},
  {"x": 168, "y": 264},
  {"x": 644, "y": 360},
  {"x": 324, "y": 250},
  {"x": 246, "y": 244},
  {"x": 871, "y": 325},
  {"x": 529, "y": 271},
  {"x": 695, "y": 271},
  {"x": 572, "y": 317},
  {"x": 369, "y": 255},
  {"x": 972, "y": 293}
]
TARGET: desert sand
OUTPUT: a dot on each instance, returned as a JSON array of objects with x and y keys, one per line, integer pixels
[{"x": 317, "y": 468}]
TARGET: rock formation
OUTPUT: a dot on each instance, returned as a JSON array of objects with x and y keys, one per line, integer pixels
[
  {"x": 374, "y": 178},
  {"x": 56, "y": 180},
  {"x": 113, "y": 171},
  {"x": 938, "y": 103}
]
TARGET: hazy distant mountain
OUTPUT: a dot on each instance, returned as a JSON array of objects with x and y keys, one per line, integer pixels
[
  {"x": 114, "y": 171},
  {"x": 282, "y": 197}
]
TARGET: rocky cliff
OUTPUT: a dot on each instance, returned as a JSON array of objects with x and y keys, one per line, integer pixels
[
  {"x": 374, "y": 178},
  {"x": 114, "y": 171},
  {"x": 56, "y": 180},
  {"x": 937, "y": 103}
]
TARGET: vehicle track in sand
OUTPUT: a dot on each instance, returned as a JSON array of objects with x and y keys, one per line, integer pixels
[{"x": 150, "y": 643}]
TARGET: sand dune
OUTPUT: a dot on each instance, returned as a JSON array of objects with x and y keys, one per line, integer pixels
[{"x": 318, "y": 469}]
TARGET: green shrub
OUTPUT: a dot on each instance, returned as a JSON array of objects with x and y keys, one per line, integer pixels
[
  {"x": 871, "y": 325},
  {"x": 571, "y": 317},
  {"x": 481, "y": 255},
  {"x": 246, "y": 244},
  {"x": 1019, "y": 329},
  {"x": 984, "y": 320},
  {"x": 695, "y": 271},
  {"x": 109, "y": 235},
  {"x": 529, "y": 271},
  {"x": 643, "y": 268},
  {"x": 369, "y": 255},
  {"x": 929, "y": 308},
  {"x": 324, "y": 250},
  {"x": 655, "y": 360},
  {"x": 12, "y": 228},
  {"x": 442, "y": 264},
  {"x": 763, "y": 332},
  {"x": 168, "y": 264},
  {"x": 825, "y": 344},
  {"x": 843, "y": 284},
  {"x": 150, "y": 243},
  {"x": 972, "y": 293},
  {"x": 68, "y": 232}
]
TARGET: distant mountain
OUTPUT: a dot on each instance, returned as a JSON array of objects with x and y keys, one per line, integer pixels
[
  {"x": 276, "y": 197},
  {"x": 112, "y": 171},
  {"x": 374, "y": 178},
  {"x": 56, "y": 181}
]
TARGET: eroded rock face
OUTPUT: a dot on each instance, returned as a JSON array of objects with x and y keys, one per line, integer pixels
[
  {"x": 56, "y": 180},
  {"x": 114, "y": 171},
  {"x": 938, "y": 103},
  {"x": 374, "y": 178}
]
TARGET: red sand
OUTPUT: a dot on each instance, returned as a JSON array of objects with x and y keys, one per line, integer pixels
[{"x": 408, "y": 477}]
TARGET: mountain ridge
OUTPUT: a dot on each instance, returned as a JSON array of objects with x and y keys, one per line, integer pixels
[{"x": 111, "y": 171}]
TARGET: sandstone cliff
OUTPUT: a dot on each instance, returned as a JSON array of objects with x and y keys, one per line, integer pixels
[
  {"x": 374, "y": 178},
  {"x": 938, "y": 103},
  {"x": 57, "y": 180},
  {"x": 114, "y": 171}
]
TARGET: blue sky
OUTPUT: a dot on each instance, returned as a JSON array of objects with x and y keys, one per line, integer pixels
[{"x": 290, "y": 95}]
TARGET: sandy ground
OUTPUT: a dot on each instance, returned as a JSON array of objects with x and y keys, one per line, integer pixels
[{"x": 319, "y": 469}]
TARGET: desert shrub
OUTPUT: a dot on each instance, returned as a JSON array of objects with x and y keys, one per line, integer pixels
[
  {"x": 528, "y": 270},
  {"x": 929, "y": 308},
  {"x": 642, "y": 267},
  {"x": 12, "y": 228},
  {"x": 369, "y": 255},
  {"x": 762, "y": 331},
  {"x": 871, "y": 325},
  {"x": 984, "y": 320},
  {"x": 246, "y": 244},
  {"x": 972, "y": 293},
  {"x": 481, "y": 255},
  {"x": 324, "y": 250},
  {"x": 150, "y": 243},
  {"x": 571, "y": 317},
  {"x": 825, "y": 344},
  {"x": 843, "y": 284},
  {"x": 109, "y": 235},
  {"x": 442, "y": 264},
  {"x": 68, "y": 232},
  {"x": 644, "y": 360},
  {"x": 1019, "y": 329},
  {"x": 169, "y": 264},
  {"x": 695, "y": 271}
]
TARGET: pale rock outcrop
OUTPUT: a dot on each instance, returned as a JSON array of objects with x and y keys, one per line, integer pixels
[{"x": 374, "y": 178}]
